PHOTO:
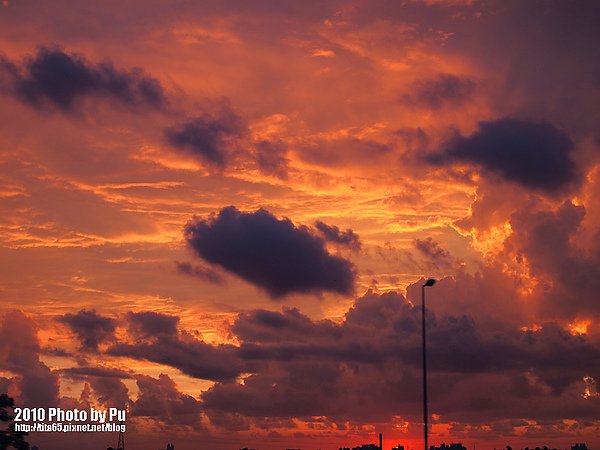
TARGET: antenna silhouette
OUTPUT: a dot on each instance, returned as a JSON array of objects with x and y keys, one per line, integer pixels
[{"x": 430, "y": 282}]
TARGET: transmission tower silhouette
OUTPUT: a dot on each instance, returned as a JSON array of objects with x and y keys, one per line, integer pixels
[{"x": 121, "y": 443}]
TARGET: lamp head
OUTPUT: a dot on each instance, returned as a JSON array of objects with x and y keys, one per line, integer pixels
[{"x": 429, "y": 282}]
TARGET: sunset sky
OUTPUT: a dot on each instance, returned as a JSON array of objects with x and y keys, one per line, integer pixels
[{"x": 219, "y": 214}]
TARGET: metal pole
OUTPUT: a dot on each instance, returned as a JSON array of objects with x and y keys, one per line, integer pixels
[{"x": 425, "y": 413}]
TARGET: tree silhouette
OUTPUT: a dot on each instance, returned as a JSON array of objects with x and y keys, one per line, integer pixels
[{"x": 9, "y": 437}]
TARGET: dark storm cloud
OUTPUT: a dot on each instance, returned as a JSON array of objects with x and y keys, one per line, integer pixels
[
  {"x": 9, "y": 72},
  {"x": 327, "y": 368},
  {"x": 344, "y": 151},
  {"x": 320, "y": 367},
  {"x": 271, "y": 160},
  {"x": 184, "y": 352},
  {"x": 110, "y": 391},
  {"x": 302, "y": 367},
  {"x": 443, "y": 89},
  {"x": 90, "y": 327},
  {"x": 290, "y": 336},
  {"x": 534, "y": 155},
  {"x": 230, "y": 421},
  {"x": 431, "y": 248},
  {"x": 204, "y": 273},
  {"x": 159, "y": 398},
  {"x": 289, "y": 325},
  {"x": 271, "y": 253},
  {"x": 333, "y": 234},
  {"x": 61, "y": 79},
  {"x": 56, "y": 352},
  {"x": 207, "y": 137},
  {"x": 20, "y": 354},
  {"x": 106, "y": 383},
  {"x": 150, "y": 323},
  {"x": 103, "y": 372},
  {"x": 4, "y": 384},
  {"x": 297, "y": 389},
  {"x": 351, "y": 352},
  {"x": 545, "y": 239},
  {"x": 377, "y": 327}
]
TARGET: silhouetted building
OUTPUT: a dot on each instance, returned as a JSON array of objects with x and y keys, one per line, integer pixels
[
  {"x": 579, "y": 446},
  {"x": 400, "y": 447},
  {"x": 457, "y": 446},
  {"x": 545, "y": 447}
]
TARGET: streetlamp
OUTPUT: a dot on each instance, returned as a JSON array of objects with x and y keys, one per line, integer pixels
[{"x": 430, "y": 282}]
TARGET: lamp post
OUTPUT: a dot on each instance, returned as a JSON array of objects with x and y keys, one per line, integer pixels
[{"x": 430, "y": 282}]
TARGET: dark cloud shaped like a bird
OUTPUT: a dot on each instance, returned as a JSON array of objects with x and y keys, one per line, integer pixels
[
  {"x": 151, "y": 323},
  {"x": 270, "y": 253},
  {"x": 534, "y": 155},
  {"x": 207, "y": 137},
  {"x": 90, "y": 327},
  {"x": 440, "y": 90},
  {"x": 431, "y": 249},
  {"x": 204, "y": 273},
  {"x": 192, "y": 356},
  {"x": 333, "y": 234},
  {"x": 58, "y": 78},
  {"x": 433, "y": 256}
]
